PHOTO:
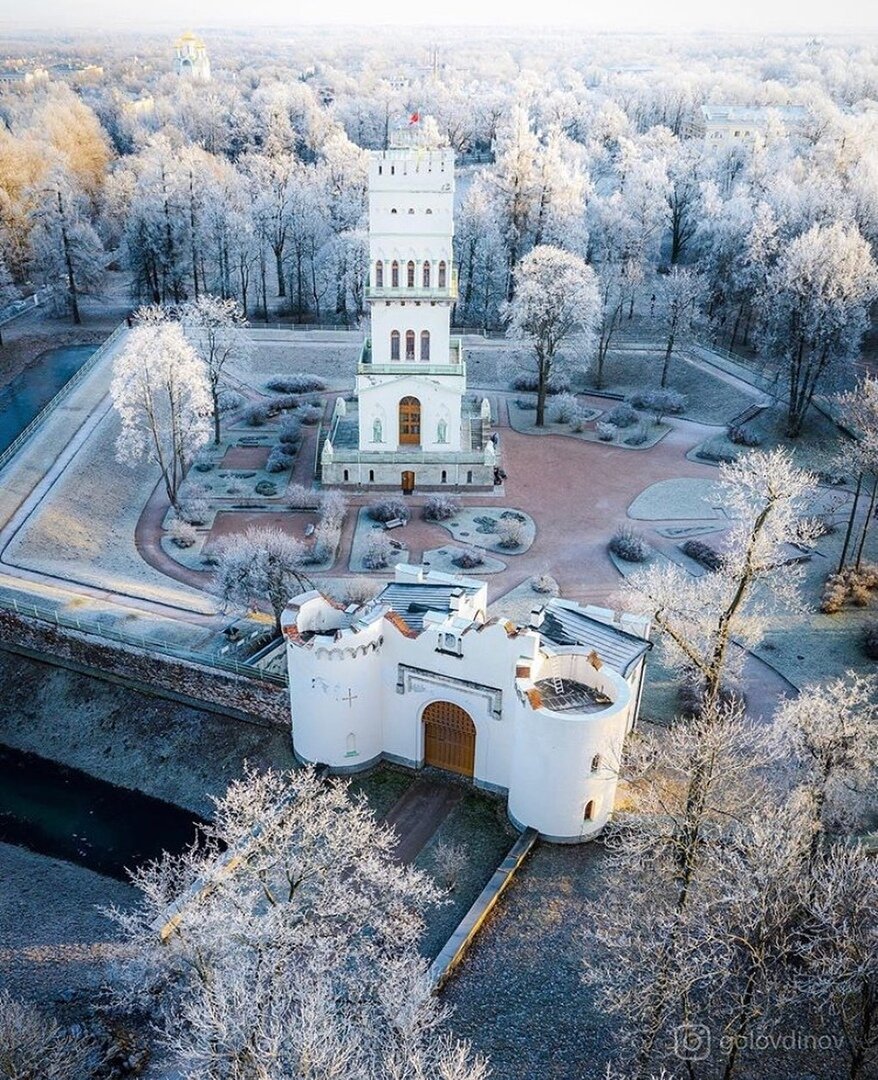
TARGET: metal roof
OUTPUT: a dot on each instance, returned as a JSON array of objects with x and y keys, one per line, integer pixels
[
  {"x": 412, "y": 600},
  {"x": 620, "y": 649}
]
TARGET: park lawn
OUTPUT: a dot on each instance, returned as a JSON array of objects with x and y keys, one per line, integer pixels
[{"x": 710, "y": 400}]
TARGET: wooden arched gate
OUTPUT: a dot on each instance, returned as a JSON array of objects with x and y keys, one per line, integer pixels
[{"x": 449, "y": 738}]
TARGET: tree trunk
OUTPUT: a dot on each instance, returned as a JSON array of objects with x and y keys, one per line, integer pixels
[
  {"x": 216, "y": 415},
  {"x": 667, "y": 364},
  {"x": 279, "y": 266},
  {"x": 868, "y": 518},
  {"x": 850, "y": 528},
  {"x": 68, "y": 259}
]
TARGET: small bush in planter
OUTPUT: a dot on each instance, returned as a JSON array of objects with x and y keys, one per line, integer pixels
[
  {"x": 629, "y": 545},
  {"x": 623, "y": 415},
  {"x": 605, "y": 432},
  {"x": 660, "y": 403},
  {"x": 440, "y": 508},
  {"x": 546, "y": 585},
  {"x": 703, "y": 554},
  {"x": 717, "y": 453},
  {"x": 526, "y": 404},
  {"x": 310, "y": 414},
  {"x": 379, "y": 551},
  {"x": 742, "y": 436},
  {"x": 562, "y": 408},
  {"x": 637, "y": 437},
  {"x": 256, "y": 415},
  {"x": 388, "y": 510},
  {"x": 298, "y": 383},
  {"x": 203, "y": 466},
  {"x": 529, "y": 382},
  {"x": 870, "y": 640},
  {"x": 578, "y": 421},
  {"x": 469, "y": 559},
  {"x": 510, "y": 533},
  {"x": 182, "y": 533},
  {"x": 279, "y": 460},
  {"x": 266, "y": 487}
]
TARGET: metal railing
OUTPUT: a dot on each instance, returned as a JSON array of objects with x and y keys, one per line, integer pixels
[
  {"x": 71, "y": 384},
  {"x": 163, "y": 648}
]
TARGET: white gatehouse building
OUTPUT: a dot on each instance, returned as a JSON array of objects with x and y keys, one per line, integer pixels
[
  {"x": 411, "y": 425},
  {"x": 419, "y": 676}
]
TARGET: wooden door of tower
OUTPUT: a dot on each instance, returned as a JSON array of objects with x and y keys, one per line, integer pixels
[
  {"x": 408, "y": 482},
  {"x": 410, "y": 422},
  {"x": 449, "y": 738}
]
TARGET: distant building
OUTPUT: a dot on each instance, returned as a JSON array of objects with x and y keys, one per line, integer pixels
[
  {"x": 733, "y": 125},
  {"x": 421, "y": 677},
  {"x": 190, "y": 58}
]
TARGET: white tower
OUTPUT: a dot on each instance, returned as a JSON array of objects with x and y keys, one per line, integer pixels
[
  {"x": 412, "y": 427},
  {"x": 190, "y": 58}
]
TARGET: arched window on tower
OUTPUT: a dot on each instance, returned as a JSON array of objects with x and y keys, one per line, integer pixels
[
  {"x": 589, "y": 810},
  {"x": 410, "y": 274},
  {"x": 379, "y": 275},
  {"x": 443, "y": 275},
  {"x": 409, "y": 344},
  {"x": 426, "y": 275},
  {"x": 425, "y": 344},
  {"x": 394, "y": 275},
  {"x": 394, "y": 344}
]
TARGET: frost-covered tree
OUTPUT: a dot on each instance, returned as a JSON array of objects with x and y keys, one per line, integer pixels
[
  {"x": 215, "y": 330},
  {"x": 162, "y": 395},
  {"x": 814, "y": 310},
  {"x": 35, "y": 1047},
  {"x": 262, "y": 566},
  {"x": 556, "y": 296},
  {"x": 297, "y": 955},
  {"x": 700, "y": 618},
  {"x": 680, "y": 297}
]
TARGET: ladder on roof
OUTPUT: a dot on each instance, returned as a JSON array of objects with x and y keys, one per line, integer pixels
[{"x": 556, "y": 680}]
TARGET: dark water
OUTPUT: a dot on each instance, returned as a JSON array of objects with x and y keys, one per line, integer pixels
[
  {"x": 66, "y": 813},
  {"x": 32, "y": 390}
]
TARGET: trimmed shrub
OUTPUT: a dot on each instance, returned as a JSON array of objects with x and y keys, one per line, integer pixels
[
  {"x": 204, "y": 466},
  {"x": 299, "y": 383},
  {"x": 579, "y": 419},
  {"x": 529, "y": 382},
  {"x": 279, "y": 460},
  {"x": 702, "y": 553},
  {"x": 256, "y": 415},
  {"x": 388, "y": 509},
  {"x": 510, "y": 533},
  {"x": 629, "y": 545},
  {"x": 300, "y": 497},
  {"x": 852, "y": 586},
  {"x": 195, "y": 510},
  {"x": 229, "y": 400},
  {"x": 440, "y": 508},
  {"x": 637, "y": 437},
  {"x": 623, "y": 415},
  {"x": 333, "y": 507},
  {"x": 742, "y": 436},
  {"x": 469, "y": 559},
  {"x": 326, "y": 538},
  {"x": 870, "y": 640},
  {"x": 716, "y": 451},
  {"x": 546, "y": 585},
  {"x": 266, "y": 487},
  {"x": 290, "y": 430},
  {"x": 658, "y": 402},
  {"x": 527, "y": 404},
  {"x": 310, "y": 414},
  {"x": 605, "y": 432},
  {"x": 282, "y": 403},
  {"x": 182, "y": 533},
  {"x": 562, "y": 408},
  {"x": 379, "y": 551}
]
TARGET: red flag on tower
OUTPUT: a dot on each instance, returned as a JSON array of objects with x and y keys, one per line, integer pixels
[{"x": 415, "y": 118}]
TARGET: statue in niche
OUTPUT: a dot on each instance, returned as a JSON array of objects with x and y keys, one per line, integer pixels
[
  {"x": 442, "y": 431},
  {"x": 377, "y": 433}
]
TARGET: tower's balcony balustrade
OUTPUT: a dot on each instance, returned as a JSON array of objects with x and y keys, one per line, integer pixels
[
  {"x": 455, "y": 365},
  {"x": 447, "y": 292}
]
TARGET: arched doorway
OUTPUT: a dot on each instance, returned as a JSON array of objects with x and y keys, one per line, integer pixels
[
  {"x": 410, "y": 421},
  {"x": 449, "y": 738}
]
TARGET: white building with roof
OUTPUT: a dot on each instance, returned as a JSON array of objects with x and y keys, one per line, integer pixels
[
  {"x": 734, "y": 125},
  {"x": 419, "y": 676},
  {"x": 411, "y": 425}
]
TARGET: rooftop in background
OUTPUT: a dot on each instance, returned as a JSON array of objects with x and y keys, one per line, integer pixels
[{"x": 750, "y": 114}]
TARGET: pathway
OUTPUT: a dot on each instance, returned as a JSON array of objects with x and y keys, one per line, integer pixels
[{"x": 418, "y": 814}]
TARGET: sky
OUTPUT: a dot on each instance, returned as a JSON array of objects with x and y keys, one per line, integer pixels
[{"x": 807, "y": 16}]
